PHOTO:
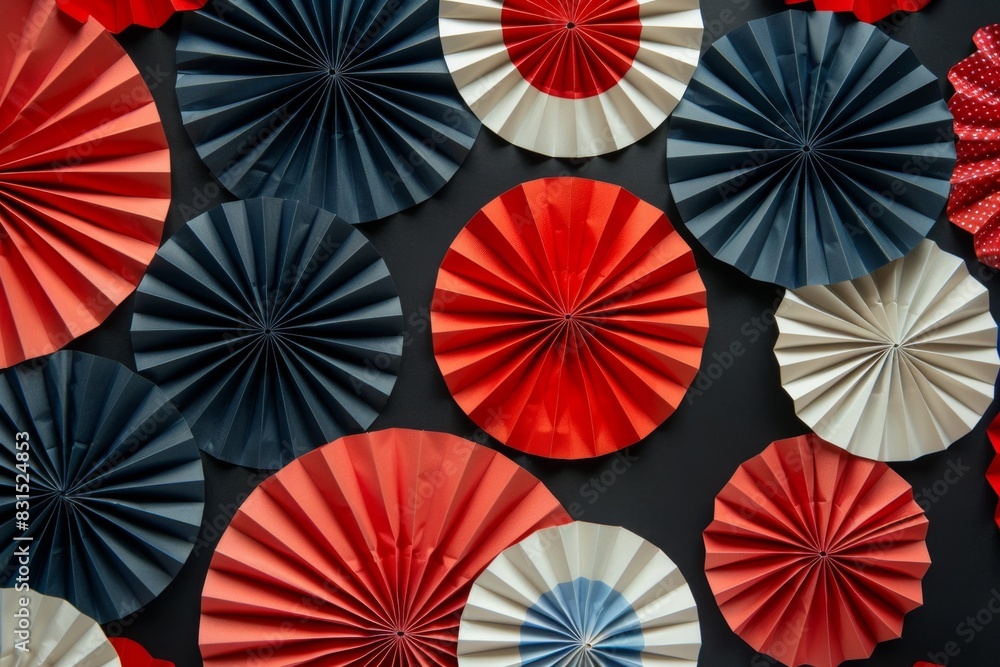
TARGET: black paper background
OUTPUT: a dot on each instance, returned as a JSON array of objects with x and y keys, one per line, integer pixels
[{"x": 662, "y": 489}]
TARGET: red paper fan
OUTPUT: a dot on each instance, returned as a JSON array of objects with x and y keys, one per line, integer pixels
[
  {"x": 569, "y": 318},
  {"x": 363, "y": 552},
  {"x": 974, "y": 204},
  {"x": 993, "y": 473},
  {"x": 133, "y": 654},
  {"x": 116, "y": 15},
  {"x": 84, "y": 178},
  {"x": 869, "y": 11},
  {"x": 815, "y": 555}
]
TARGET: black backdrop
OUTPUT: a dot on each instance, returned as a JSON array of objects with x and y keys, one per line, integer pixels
[{"x": 663, "y": 488}]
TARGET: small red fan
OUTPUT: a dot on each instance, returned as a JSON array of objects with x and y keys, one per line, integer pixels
[{"x": 815, "y": 555}]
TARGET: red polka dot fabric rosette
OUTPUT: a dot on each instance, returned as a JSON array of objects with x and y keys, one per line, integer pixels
[
  {"x": 869, "y": 11},
  {"x": 974, "y": 204},
  {"x": 116, "y": 15},
  {"x": 571, "y": 78}
]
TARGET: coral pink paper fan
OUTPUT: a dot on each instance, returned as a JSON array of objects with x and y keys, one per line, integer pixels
[
  {"x": 363, "y": 552},
  {"x": 84, "y": 178}
]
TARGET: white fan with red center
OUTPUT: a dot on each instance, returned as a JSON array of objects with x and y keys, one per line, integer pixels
[{"x": 571, "y": 78}]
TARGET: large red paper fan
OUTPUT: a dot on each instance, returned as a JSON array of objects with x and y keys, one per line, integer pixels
[
  {"x": 974, "y": 204},
  {"x": 84, "y": 178},
  {"x": 116, "y": 15},
  {"x": 815, "y": 555},
  {"x": 363, "y": 552},
  {"x": 569, "y": 318}
]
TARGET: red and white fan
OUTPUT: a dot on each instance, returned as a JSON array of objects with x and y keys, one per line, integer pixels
[{"x": 571, "y": 78}]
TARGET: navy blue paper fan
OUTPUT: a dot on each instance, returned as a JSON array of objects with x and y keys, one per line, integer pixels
[
  {"x": 810, "y": 149},
  {"x": 346, "y": 105},
  {"x": 274, "y": 327},
  {"x": 116, "y": 489}
]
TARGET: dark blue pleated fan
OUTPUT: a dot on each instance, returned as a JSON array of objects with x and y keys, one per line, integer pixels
[
  {"x": 810, "y": 149},
  {"x": 116, "y": 490},
  {"x": 274, "y": 326},
  {"x": 342, "y": 104}
]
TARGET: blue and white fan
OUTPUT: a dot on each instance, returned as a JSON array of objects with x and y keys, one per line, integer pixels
[{"x": 580, "y": 595}]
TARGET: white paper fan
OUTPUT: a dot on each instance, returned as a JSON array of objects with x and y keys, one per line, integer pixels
[
  {"x": 571, "y": 78},
  {"x": 580, "y": 595},
  {"x": 57, "y": 634},
  {"x": 892, "y": 365}
]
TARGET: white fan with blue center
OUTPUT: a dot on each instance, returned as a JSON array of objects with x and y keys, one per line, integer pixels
[{"x": 580, "y": 595}]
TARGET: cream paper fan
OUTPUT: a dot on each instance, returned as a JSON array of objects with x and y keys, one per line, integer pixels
[
  {"x": 892, "y": 365},
  {"x": 58, "y": 634}
]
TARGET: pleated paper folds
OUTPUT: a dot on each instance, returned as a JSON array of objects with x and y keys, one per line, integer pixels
[
  {"x": 274, "y": 326},
  {"x": 363, "y": 552},
  {"x": 893, "y": 365},
  {"x": 810, "y": 149},
  {"x": 345, "y": 105},
  {"x": 56, "y": 634},
  {"x": 571, "y": 78},
  {"x": 580, "y": 595},
  {"x": 975, "y": 186},
  {"x": 815, "y": 555},
  {"x": 115, "y": 479},
  {"x": 84, "y": 178},
  {"x": 569, "y": 318}
]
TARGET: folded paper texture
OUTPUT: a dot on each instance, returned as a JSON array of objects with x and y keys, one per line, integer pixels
[
  {"x": 816, "y": 555},
  {"x": 345, "y": 105},
  {"x": 569, "y": 318},
  {"x": 571, "y": 78},
  {"x": 364, "y": 550},
  {"x": 810, "y": 149},
  {"x": 84, "y": 178},
  {"x": 273, "y": 325},
  {"x": 57, "y": 633},
  {"x": 893, "y": 365},
  {"x": 116, "y": 483},
  {"x": 580, "y": 595}
]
